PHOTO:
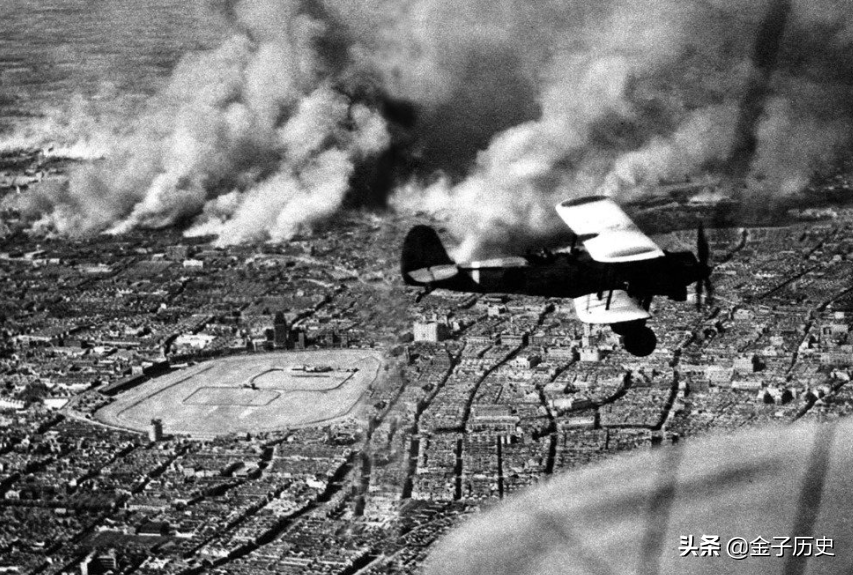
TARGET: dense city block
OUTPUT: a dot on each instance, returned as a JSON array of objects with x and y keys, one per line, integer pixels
[{"x": 480, "y": 396}]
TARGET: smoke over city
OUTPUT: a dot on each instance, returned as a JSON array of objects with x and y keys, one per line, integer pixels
[{"x": 487, "y": 111}]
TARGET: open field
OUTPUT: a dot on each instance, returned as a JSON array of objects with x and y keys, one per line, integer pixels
[{"x": 253, "y": 393}]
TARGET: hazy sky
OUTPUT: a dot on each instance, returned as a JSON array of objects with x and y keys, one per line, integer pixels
[{"x": 52, "y": 49}]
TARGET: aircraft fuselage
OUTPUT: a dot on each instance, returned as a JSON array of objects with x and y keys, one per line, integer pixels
[{"x": 572, "y": 276}]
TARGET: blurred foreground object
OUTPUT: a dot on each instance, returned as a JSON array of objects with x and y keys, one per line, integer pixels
[{"x": 773, "y": 500}]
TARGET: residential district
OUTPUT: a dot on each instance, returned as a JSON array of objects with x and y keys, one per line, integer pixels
[{"x": 484, "y": 395}]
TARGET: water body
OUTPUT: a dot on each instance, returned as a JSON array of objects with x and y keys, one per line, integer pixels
[{"x": 56, "y": 52}]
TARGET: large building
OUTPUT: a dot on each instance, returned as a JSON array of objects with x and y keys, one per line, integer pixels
[
  {"x": 155, "y": 431},
  {"x": 97, "y": 563},
  {"x": 281, "y": 331},
  {"x": 430, "y": 331}
]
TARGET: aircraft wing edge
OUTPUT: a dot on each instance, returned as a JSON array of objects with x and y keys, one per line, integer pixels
[
  {"x": 622, "y": 308},
  {"x": 607, "y": 233},
  {"x": 504, "y": 262},
  {"x": 619, "y": 246}
]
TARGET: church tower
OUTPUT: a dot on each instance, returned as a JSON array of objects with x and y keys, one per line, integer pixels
[{"x": 281, "y": 331}]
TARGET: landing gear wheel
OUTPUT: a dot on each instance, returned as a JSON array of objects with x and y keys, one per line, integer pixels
[
  {"x": 626, "y": 327},
  {"x": 640, "y": 342}
]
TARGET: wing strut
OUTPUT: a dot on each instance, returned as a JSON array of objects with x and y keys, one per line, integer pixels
[{"x": 608, "y": 281}]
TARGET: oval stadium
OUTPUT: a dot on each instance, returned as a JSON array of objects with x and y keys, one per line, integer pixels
[{"x": 250, "y": 393}]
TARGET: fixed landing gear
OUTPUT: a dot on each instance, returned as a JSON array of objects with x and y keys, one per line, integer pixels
[
  {"x": 638, "y": 339},
  {"x": 640, "y": 342}
]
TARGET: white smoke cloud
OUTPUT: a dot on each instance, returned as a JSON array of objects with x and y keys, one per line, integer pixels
[
  {"x": 249, "y": 140},
  {"x": 314, "y": 175},
  {"x": 705, "y": 135},
  {"x": 654, "y": 91},
  {"x": 512, "y": 107}
]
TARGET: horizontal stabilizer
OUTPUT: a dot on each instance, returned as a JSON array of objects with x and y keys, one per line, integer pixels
[
  {"x": 623, "y": 308},
  {"x": 506, "y": 262},
  {"x": 424, "y": 259},
  {"x": 433, "y": 274}
]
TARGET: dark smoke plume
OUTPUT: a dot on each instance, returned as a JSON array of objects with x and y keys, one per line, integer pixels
[{"x": 768, "y": 44}]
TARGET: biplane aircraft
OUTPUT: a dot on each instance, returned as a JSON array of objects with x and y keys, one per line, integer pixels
[{"x": 612, "y": 280}]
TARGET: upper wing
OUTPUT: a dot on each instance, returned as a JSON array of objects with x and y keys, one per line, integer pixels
[
  {"x": 622, "y": 308},
  {"x": 608, "y": 234}
]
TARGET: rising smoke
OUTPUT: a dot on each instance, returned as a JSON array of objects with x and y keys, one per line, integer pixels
[{"x": 490, "y": 111}]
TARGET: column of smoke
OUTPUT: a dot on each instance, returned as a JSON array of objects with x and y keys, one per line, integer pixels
[
  {"x": 249, "y": 141},
  {"x": 490, "y": 111},
  {"x": 649, "y": 91}
]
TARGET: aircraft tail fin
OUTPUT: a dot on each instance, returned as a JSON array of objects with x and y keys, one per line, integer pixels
[{"x": 424, "y": 258}]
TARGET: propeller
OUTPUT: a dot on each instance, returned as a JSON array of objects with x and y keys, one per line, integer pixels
[{"x": 703, "y": 251}]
